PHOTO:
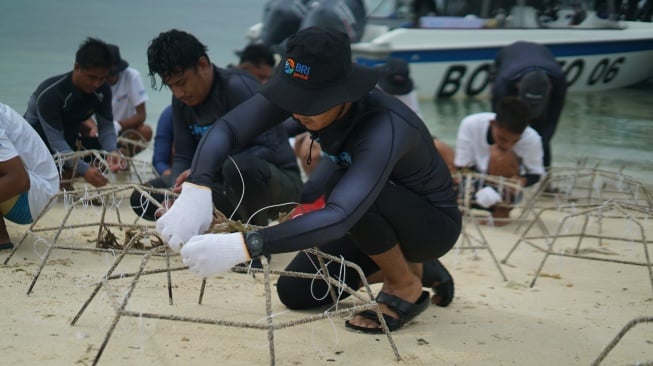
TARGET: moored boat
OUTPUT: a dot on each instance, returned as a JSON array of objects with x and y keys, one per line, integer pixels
[{"x": 452, "y": 56}]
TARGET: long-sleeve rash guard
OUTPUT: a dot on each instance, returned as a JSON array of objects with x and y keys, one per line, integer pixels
[
  {"x": 378, "y": 140},
  {"x": 57, "y": 108},
  {"x": 229, "y": 89}
]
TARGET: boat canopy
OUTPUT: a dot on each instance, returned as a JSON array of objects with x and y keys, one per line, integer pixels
[{"x": 459, "y": 14}]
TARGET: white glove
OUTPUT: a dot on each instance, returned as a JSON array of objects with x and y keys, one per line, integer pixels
[
  {"x": 487, "y": 197},
  {"x": 191, "y": 214},
  {"x": 209, "y": 254},
  {"x": 117, "y": 127}
]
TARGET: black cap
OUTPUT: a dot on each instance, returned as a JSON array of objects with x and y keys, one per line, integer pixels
[
  {"x": 119, "y": 65},
  {"x": 395, "y": 77},
  {"x": 534, "y": 87}
]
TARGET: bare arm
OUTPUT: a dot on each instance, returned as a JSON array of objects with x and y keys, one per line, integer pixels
[{"x": 135, "y": 120}]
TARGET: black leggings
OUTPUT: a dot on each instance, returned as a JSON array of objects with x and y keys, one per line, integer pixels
[
  {"x": 265, "y": 184},
  {"x": 398, "y": 216}
]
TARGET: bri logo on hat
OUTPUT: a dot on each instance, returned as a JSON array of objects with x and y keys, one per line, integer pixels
[{"x": 296, "y": 70}]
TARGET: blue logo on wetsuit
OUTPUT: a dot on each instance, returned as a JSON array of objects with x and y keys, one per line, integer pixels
[
  {"x": 341, "y": 159},
  {"x": 198, "y": 130}
]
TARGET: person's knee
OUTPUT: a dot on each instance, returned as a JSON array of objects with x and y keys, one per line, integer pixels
[
  {"x": 244, "y": 169},
  {"x": 139, "y": 205},
  {"x": 290, "y": 289},
  {"x": 146, "y": 131}
]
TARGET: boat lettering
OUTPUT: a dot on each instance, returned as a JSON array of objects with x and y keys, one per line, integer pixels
[
  {"x": 474, "y": 83},
  {"x": 454, "y": 79},
  {"x": 605, "y": 71},
  {"x": 573, "y": 71}
]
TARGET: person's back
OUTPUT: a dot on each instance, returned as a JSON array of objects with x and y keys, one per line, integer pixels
[
  {"x": 395, "y": 80},
  {"x": 29, "y": 177}
]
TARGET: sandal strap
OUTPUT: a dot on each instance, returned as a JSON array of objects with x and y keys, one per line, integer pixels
[{"x": 395, "y": 303}]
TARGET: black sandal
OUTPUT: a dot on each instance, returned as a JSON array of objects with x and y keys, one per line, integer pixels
[
  {"x": 435, "y": 272},
  {"x": 7, "y": 245},
  {"x": 406, "y": 311}
]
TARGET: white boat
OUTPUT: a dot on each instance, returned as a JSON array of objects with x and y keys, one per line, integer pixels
[{"x": 452, "y": 56}]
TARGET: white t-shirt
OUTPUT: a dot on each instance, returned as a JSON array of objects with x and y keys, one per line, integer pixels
[
  {"x": 127, "y": 93},
  {"x": 18, "y": 138},
  {"x": 472, "y": 148}
]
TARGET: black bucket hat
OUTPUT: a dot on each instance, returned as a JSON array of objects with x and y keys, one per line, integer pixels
[
  {"x": 119, "y": 65},
  {"x": 316, "y": 73},
  {"x": 395, "y": 77}
]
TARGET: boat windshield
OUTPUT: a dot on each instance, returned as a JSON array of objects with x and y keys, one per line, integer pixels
[{"x": 568, "y": 14}]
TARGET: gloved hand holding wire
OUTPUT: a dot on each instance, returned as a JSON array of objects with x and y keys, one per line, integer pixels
[
  {"x": 191, "y": 214},
  {"x": 210, "y": 254}
]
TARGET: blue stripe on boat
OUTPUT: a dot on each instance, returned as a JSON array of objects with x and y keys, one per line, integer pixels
[{"x": 488, "y": 53}]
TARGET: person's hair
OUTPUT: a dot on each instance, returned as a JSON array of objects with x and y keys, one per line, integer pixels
[
  {"x": 257, "y": 54},
  {"x": 173, "y": 52},
  {"x": 93, "y": 53},
  {"x": 512, "y": 114}
]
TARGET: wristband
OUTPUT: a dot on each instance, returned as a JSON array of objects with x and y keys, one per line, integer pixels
[{"x": 254, "y": 244}]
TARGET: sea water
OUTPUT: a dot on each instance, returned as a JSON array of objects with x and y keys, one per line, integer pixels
[{"x": 38, "y": 39}]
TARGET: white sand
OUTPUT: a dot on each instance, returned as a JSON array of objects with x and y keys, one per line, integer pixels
[{"x": 568, "y": 317}]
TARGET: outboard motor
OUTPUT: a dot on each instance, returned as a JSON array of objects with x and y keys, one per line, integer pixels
[
  {"x": 348, "y": 16},
  {"x": 282, "y": 18}
]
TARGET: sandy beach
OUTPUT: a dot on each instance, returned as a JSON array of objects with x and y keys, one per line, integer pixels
[
  {"x": 576, "y": 307},
  {"x": 574, "y": 310}
]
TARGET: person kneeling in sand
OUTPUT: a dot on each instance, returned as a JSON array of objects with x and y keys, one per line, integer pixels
[
  {"x": 28, "y": 175},
  {"x": 502, "y": 145},
  {"x": 390, "y": 206}
]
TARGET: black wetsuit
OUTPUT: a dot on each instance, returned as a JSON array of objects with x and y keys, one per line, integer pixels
[
  {"x": 56, "y": 110},
  {"x": 511, "y": 63},
  {"x": 267, "y": 163},
  {"x": 391, "y": 186}
]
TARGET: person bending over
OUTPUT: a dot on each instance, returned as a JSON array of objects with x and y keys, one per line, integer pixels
[
  {"x": 530, "y": 72},
  {"x": 390, "y": 205},
  {"x": 61, "y": 104},
  {"x": 28, "y": 175},
  {"x": 260, "y": 173},
  {"x": 500, "y": 144}
]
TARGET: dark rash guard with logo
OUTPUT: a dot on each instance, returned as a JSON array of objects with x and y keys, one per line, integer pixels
[
  {"x": 229, "y": 89},
  {"x": 378, "y": 141},
  {"x": 57, "y": 108}
]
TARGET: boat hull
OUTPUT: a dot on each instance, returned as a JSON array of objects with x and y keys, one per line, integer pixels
[{"x": 449, "y": 63}]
